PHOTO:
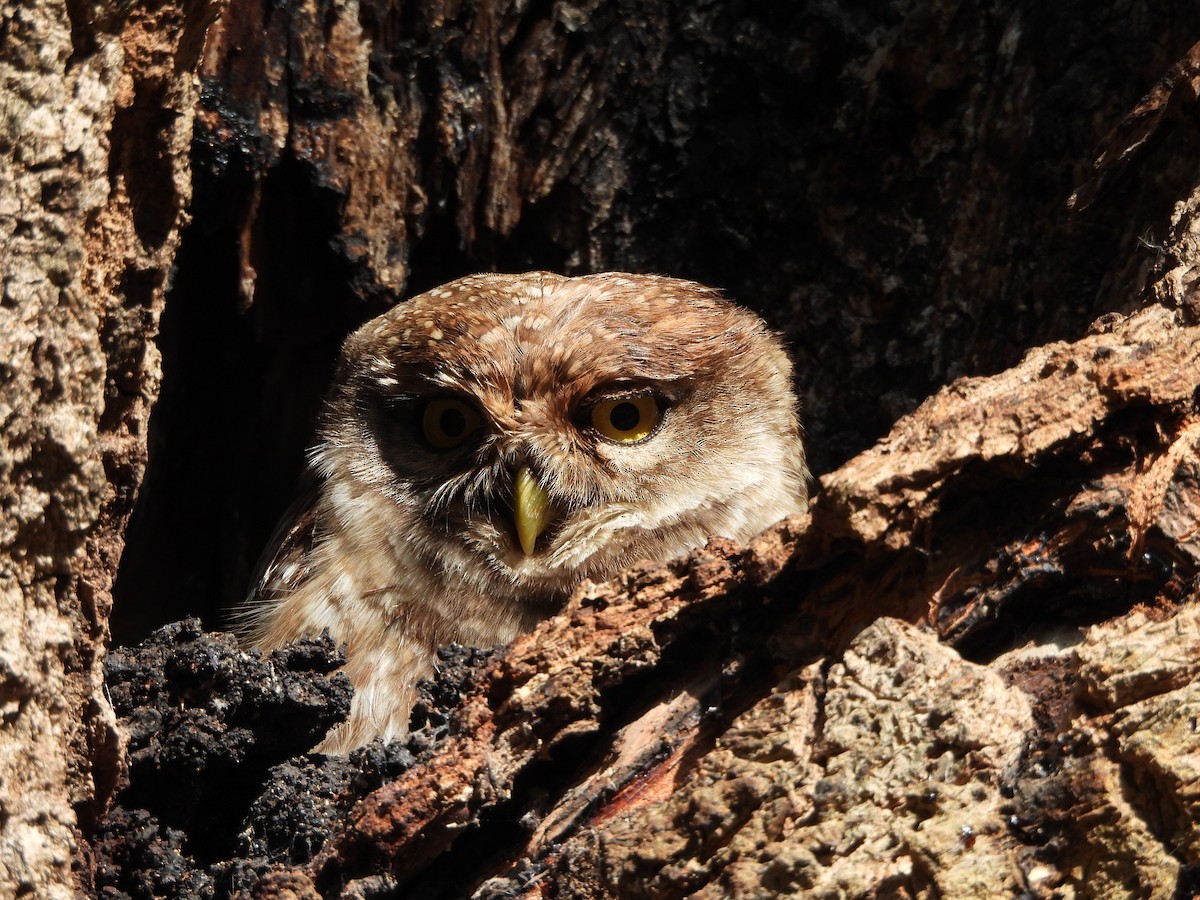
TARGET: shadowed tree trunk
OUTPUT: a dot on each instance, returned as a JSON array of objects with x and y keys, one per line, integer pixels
[{"x": 969, "y": 672}]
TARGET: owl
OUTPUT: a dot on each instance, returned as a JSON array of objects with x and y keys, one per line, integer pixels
[{"x": 490, "y": 444}]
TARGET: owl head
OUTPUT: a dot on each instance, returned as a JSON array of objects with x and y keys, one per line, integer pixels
[{"x": 526, "y": 432}]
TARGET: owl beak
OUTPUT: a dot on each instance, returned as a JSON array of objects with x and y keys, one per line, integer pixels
[{"x": 532, "y": 509}]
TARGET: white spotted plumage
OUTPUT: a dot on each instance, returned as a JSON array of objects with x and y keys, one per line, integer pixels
[{"x": 403, "y": 545}]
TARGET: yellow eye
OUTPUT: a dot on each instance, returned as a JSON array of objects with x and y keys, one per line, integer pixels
[
  {"x": 447, "y": 422},
  {"x": 626, "y": 419}
]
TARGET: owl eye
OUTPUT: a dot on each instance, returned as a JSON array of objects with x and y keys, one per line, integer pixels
[
  {"x": 626, "y": 419},
  {"x": 447, "y": 422}
]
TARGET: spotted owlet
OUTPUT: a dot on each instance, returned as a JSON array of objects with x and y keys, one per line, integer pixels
[{"x": 489, "y": 444}]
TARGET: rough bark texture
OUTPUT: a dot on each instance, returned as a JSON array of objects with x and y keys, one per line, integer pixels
[
  {"x": 96, "y": 104},
  {"x": 969, "y": 672}
]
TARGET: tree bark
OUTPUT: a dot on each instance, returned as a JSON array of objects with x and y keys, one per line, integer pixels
[
  {"x": 970, "y": 671},
  {"x": 767, "y": 721},
  {"x": 98, "y": 102}
]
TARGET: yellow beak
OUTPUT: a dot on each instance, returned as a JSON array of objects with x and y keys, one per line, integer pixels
[{"x": 531, "y": 509}]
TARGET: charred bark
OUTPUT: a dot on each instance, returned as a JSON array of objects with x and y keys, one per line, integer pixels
[{"x": 887, "y": 186}]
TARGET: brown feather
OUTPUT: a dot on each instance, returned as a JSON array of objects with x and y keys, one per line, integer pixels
[{"x": 404, "y": 545}]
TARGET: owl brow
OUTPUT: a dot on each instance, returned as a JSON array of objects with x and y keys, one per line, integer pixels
[
  {"x": 671, "y": 389},
  {"x": 426, "y": 390}
]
